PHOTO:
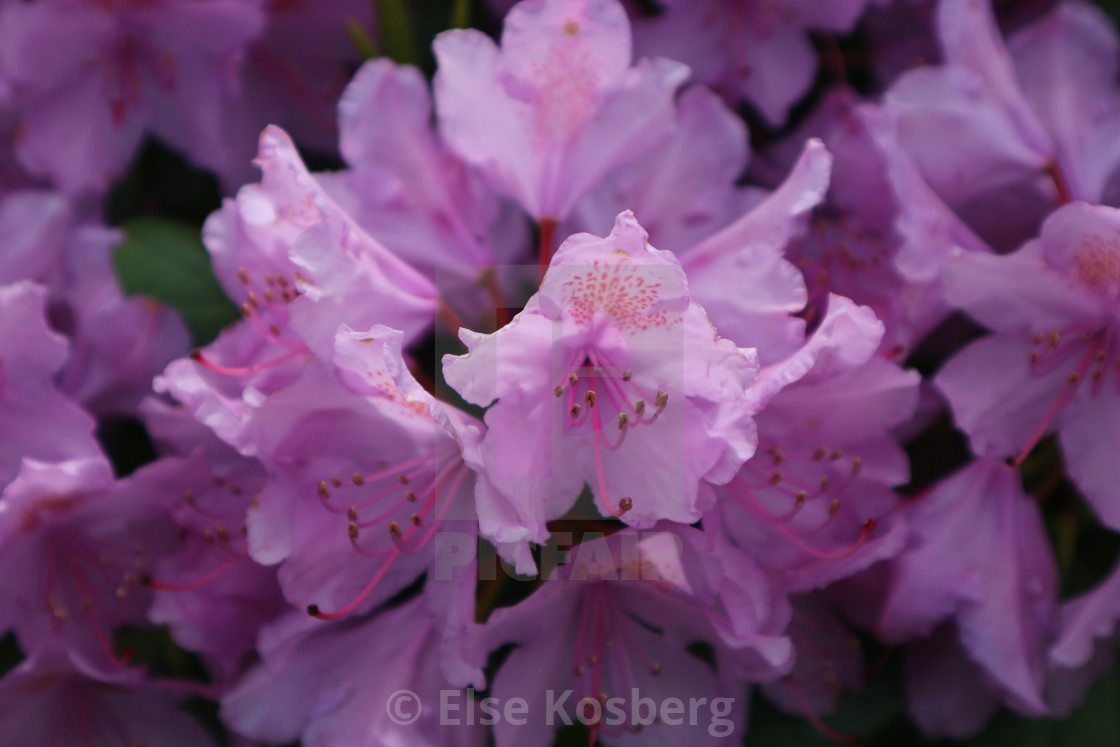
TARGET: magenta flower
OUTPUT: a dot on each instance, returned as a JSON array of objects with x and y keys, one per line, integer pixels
[
  {"x": 94, "y": 77},
  {"x": 333, "y": 687},
  {"x": 36, "y": 421},
  {"x": 85, "y": 542},
  {"x": 556, "y": 107},
  {"x": 612, "y": 627},
  {"x": 996, "y": 116},
  {"x": 1051, "y": 363},
  {"x": 409, "y": 190},
  {"x": 614, "y": 377},
  {"x": 747, "y": 49},
  {"x": 58, "y": 698},
  {"x": 808, "y": 506},
  {"x": 980, "y": 556},
  {"x": 210, "y": 592}
]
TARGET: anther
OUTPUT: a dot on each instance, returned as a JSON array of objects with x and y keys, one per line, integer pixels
[
  {"x": 627, "y": 375},
  {"x": 336, "y": 481},
  {"x": 410, "y": 496},
  {"x": 779, "y": 456},
  {"x": 196, "y": 355},
  {"x": 352, "y": 528},
  {"x": 313, "y": 610},
  {"x": 573, "y": 379},
  {"x": 357, "y": 479},
  {"x": 623, "y": 420},
  {"x": 640, "y": 405},
  {"x": 324, "y": 491},
  {"x": 655, "y": 670},
  {"x": 122, "y": 592},
  {"x": 799, "y": 499},
  {"x": 1075, "y": 378},
  {"x": 590, "y": 398},
  {"x": 394, "y": 529},
  {"x": 402, "y": 479},
  {"x": 416, "y": 520},
  {"x": 1034, "y": 356},
  {"x": 825, "y": 482},
  {"x": 833, "y": 507},
  {"x": 857, "y": 466},
  {"x": 575, "y": 411},
  {"x": 593, "y": 660},
  {"x": 1038, "y": 337},
  {"x": 625, "y": 505},
  {"x": 776, "y": 478},
  {"x": 836, "y": 455},
  {"x": 1101, "y": 355},
  {"x": 662, "y": 398},
  {"x": 352, "y": 514},
  {"x": 243, "y": 275},
  {"x": 1098, "y": 374},
  {"x": 1055, "y": 338},
  {"x": 274, "y": 329},
  {"x": 820, "y": 453},
  {"x": 559, "y": 390}
]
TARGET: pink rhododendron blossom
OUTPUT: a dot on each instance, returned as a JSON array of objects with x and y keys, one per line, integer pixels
[
  {"x": 752, "y": 49},
  {"x": 1051, "y": 362},
  {"x": 36, "y": 421},
  {"x": 55, "y": 697},
  {"x": 613, "y": 624},
  {"x": 87, "y": 541},
  {"x": 639, "y": 396},
  {"x": 94, "y": 77},
  {"x": 554, "y": 109},
  {"x": 808, "y": 506},
  {"x": 980, "y": 557}
]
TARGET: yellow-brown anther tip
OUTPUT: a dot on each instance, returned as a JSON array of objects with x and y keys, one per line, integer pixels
[
  {"x": 324, "y": 491},
  {"x": 625, "y": 505},
  {"x": 352, "y": 528}
]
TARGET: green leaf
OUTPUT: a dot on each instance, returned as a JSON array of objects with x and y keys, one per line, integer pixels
[
  {"x": 361, "y": 40},
  {"x": 397, "y": 38},
  {"x": 460, "y": 14},
  {"x": 165, "y": 260}
]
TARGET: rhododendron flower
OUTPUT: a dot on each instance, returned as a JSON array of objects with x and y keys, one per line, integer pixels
[
  {"x": 1051, "y": 363},
  {"x": 642, "y": 398},
  {"x": 612, "y": 627},
  {"x": 557, "y": 106},
  {"x": 118, "y": 70},
  {"x": 980, "y": 556}
]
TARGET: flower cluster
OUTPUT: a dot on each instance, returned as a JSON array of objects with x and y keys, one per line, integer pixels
[{"x": 552, "y": 389}]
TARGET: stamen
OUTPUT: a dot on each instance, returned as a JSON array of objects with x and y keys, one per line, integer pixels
[
  {"x": 198, "y": 357},
  {"x": 197, "y": 583}
]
